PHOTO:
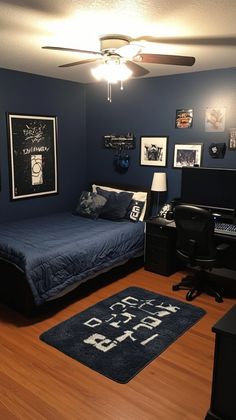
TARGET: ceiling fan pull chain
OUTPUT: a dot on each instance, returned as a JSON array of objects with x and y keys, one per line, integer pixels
[
  {"x": 109, "y": 92},
  {"x": 121, "y": 85}
]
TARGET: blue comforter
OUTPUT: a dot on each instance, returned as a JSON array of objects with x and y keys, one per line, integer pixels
[{"x": 62, "y": 249}]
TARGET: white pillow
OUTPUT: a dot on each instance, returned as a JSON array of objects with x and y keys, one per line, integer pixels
[{"x": 139, "y": 196}]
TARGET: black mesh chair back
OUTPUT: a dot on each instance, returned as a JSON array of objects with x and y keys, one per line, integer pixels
[{"x": 195, "y": 235}]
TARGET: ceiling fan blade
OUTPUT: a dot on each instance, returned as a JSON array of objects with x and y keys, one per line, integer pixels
[
  {"x": 48, "y": 47},
  {"x": 176, "y": 60},
  {"x": 77, "y": 63},
  {"x": 223, "y": 41},
  {"x": 136, "y": 69}
]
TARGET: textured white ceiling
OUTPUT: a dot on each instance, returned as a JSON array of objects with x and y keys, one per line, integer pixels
[{"x": 25, "y": 26}]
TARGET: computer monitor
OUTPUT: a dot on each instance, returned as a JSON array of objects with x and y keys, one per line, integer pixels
[{"x": 209, "y": 187}]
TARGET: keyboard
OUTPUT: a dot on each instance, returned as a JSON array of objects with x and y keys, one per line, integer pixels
[{"x": 225, "y": 228}]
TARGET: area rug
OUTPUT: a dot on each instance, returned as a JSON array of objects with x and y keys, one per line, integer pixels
[{"x": 120, "y": 335}]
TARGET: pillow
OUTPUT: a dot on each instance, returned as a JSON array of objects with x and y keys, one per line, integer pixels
[
  {"x": 90, "y": 204},
  {"x": 116, "y": 205},
  {"x": 140, "y": 196},
  {"x": 134, "y": 210}
]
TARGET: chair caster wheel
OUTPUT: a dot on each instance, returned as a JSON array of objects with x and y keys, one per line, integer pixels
[
  {"x": 175, "y": 287},
  {"x": 192, "y": 294}
]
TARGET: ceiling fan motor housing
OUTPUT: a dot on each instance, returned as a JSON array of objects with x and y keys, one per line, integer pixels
[{"x": 112, "y": 42}]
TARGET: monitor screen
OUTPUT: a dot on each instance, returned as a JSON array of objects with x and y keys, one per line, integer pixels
[{"x": 209, "y": 187}]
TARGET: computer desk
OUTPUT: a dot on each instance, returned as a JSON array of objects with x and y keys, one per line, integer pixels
[{"x": 160, "y": 249}]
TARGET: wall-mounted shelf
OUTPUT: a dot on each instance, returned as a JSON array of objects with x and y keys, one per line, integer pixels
[{"x": 125, "y": 142}]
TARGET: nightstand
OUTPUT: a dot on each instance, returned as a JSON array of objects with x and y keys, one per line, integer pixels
[{"x": 160, "y": 252}]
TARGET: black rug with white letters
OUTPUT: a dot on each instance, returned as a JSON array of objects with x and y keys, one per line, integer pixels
[{"x": 120, "y": 335}]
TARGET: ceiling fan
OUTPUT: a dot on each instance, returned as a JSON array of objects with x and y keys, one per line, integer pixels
[{"x": 116, "y": 47}]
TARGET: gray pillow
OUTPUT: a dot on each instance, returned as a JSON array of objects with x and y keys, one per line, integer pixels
[{"x": 90, "y": 204}]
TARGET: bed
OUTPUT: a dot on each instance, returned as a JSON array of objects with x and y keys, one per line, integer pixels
[{"x": 44, "y": 258}]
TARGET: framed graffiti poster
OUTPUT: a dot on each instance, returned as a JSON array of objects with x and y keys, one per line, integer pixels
[{"x": 32, "y": 155}]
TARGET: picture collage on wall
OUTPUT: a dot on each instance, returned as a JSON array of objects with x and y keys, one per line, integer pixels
[
  {"x": 214, "y": 119},
  {"x": 153, "y": 150}
]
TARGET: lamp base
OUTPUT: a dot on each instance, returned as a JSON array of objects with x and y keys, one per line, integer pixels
[{"x": 155, "y": 206}]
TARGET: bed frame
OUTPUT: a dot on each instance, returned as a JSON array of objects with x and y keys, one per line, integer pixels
[{"x": 16, "y": 293}]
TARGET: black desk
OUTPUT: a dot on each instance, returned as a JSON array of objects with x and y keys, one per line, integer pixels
[
  {"x": 223, "y": 401},
  {"x": 160, "y": 248}
]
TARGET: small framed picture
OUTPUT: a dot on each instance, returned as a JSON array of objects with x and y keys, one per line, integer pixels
[
  {"x": 232, "y": 139},
  {"x": 153, "y": 151},
  {"x": 187, "y": 155},
  {"x": 215, "y": 119},
  {"x": 184, "y": 118}
]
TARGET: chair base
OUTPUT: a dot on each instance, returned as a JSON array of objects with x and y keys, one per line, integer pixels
[{"x": 197, "y": 284}]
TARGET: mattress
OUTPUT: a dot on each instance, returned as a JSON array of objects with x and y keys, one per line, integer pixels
[{"x": 57, "y": 251}]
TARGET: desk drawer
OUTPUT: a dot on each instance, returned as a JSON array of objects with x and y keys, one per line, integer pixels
[{"x": 159, "y": 255}]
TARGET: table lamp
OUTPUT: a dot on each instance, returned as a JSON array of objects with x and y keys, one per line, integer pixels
[{"x": 158, "y": 185}]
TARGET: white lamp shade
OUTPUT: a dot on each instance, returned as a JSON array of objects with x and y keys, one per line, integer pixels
[{"x": 159, "y": 181}]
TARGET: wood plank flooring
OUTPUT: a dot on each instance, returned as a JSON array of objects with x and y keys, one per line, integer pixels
[{"x": 39, "y": 382}]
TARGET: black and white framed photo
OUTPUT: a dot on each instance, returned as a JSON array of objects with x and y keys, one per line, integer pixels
[
  {"x": 153, "y": 150},
  {"x": 33, "y": 155},
  {"x": 187, "y": 155}
]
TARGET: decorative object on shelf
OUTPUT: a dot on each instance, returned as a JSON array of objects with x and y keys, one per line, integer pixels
[
  {"x": 232, "y": 139},
  {"x": 215, "y": 120},
  {"x": 167, "y": 211},
  {"x": 187, "y": 155},
  {"x": 184, "y": 118},
  {"x": 159, "y": 184},
  {"x": 33, "y": 155},
  {"x": 217, "y": 150},
  {"x": 126, "y": 142},
  {"x": 153, "y": 151}
]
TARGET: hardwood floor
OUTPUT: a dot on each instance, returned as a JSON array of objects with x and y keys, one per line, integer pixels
[{"x": 39, "y": 382}]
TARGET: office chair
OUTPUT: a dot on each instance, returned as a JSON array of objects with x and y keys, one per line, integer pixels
[{"x": 196, "y": 246}]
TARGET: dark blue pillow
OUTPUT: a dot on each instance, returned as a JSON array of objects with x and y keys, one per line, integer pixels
[
  {"x": 116, "y": 205},
  {"x": 134, "y": 210},
  {"x": 90, "y": 204}
]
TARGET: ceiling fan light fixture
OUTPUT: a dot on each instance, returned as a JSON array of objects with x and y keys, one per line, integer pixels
[
  {"x": 112, "y": 71},
  {"x": 129, "y": 51}
]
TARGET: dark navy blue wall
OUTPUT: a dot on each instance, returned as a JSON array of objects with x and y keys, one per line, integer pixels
[
  {"x": 148, "y": 107},
  {"x": 31, "y": 94},
  {"x": 145, "y": 107}
]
